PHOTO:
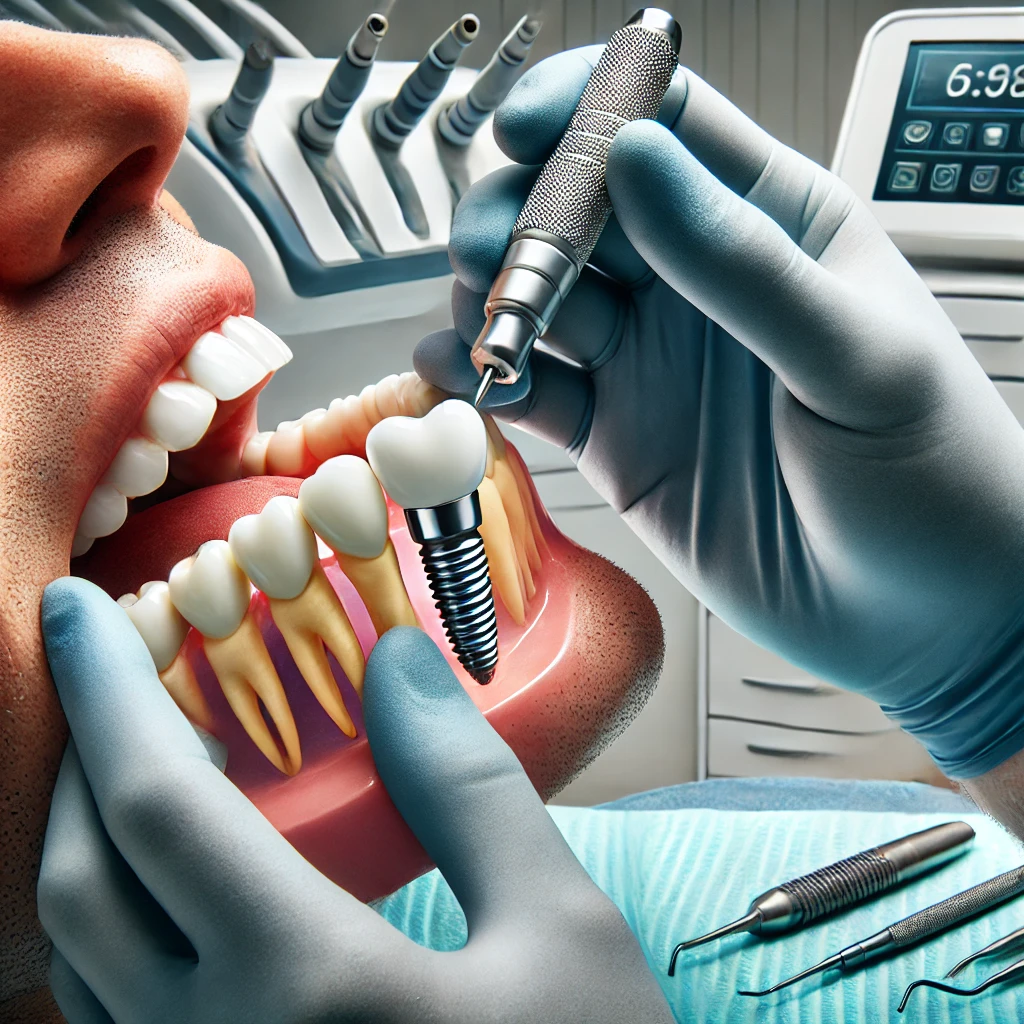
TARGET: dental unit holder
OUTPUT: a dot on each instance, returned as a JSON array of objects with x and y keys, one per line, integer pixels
[
  {"x": 925, "y": 924},
  {"x": 568, "y": 206},
  {"x": 794, "y": 904},
  {"x": 318, "y": 128}
]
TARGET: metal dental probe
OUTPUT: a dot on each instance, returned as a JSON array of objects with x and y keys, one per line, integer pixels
[
  {"x": 838, "y": 886},
  {"x": 568, "y": 206},
  {"x": 1006, "y": 974},
  {"x": 923, "y": 925},
  {"x": 1008, "y": 943}
]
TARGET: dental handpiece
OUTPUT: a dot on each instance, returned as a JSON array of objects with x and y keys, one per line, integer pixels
[
  {"x": 459, "y": 122},
  {"x": 321, "y": 120},
  {"x": 232, "y": 120},
  {"x": 568, "y": 207},
  {"x": 920, "y": 926},
  {"x": 393, "y": 121},
  {"x": 838, "y": 886}
]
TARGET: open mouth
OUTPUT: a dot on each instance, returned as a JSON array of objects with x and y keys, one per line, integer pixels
[{"x": 259, "y": 627}]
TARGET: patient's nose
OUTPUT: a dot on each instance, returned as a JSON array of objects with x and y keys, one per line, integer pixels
[{"x": 89, "y": 128}]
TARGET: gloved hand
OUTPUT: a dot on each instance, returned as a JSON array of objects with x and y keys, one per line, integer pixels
[
  {"x": 168, "y": 896},
  {"x": 772, "y": 399}
]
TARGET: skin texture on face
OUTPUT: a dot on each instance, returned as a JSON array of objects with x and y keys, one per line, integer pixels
[
  {"x": 104, "y": 287},
  {"x": 88, "y": 321}
]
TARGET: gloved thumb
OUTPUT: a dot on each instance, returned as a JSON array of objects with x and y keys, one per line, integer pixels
[{"x": 460, "y": 788}]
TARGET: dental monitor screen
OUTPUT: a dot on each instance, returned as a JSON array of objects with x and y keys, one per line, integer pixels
[{"x": 957, "y": 133}]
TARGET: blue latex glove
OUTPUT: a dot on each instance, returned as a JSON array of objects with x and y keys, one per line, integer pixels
[
  {"x": 168, "y": 896},
  {"x": 772, "y": 399}
]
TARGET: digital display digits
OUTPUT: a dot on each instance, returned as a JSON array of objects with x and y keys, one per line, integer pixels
[{"x": 980, "y": 76}]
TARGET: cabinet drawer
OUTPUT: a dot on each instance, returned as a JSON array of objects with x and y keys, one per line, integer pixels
[
  {"x": 748, "y": 749},
  {"x": 746, "y": 681}
]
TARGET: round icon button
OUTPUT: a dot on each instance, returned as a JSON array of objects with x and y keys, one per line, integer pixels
[{"x": 916, "y": 133}]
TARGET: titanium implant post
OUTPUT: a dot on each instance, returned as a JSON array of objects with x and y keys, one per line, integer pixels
[
  {"x": 459, "y": 122},
  {"x": 456, "y": 565},
  {"x": 393, "y": 121},
  {"x": 232, "y": 120},
  {"x": 322, "y": 119}
]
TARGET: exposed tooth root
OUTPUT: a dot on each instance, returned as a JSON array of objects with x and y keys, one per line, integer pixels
[
  {"x": 517, "y": 521},
  {"x": 307, "y": 623},
  {"x": 385, "y": 397},
  {"x": 325, "y": 434},
  {"x": 378, "y": 581},
  {"x": 247, "y": 676},
  {"x": 501, "y": 554},
  {"x": 180, "y": 682},
  {"x": 254, "y": 454},
  {"x": 540, "y": 544}
]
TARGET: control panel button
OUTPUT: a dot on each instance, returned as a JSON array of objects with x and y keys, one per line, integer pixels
[
  {"x": 957, "y": 135},
  {"x": 946, "y": 177},
  {"x": 1015, "y": 181},
  {"x": 917, "y": 133},
  {"x": 906, "y": 176},
  {"x": 994, "y": 135},
  {"x": 984, "y": 179}
]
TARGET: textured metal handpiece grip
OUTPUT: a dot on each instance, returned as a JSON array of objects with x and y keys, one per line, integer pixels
[
  {"x": 570, "y": 199},
  {"x": 841, "y": 885},
  {"x": 958, "y": 908}
]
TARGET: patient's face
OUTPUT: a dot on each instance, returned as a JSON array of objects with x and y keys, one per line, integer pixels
[{"x": 104, "y": 290}]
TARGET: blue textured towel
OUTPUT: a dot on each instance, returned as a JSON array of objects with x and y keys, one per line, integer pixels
[{"x": 677, "y": 874}]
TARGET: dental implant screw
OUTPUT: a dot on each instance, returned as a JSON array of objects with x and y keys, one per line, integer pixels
[{"x": 456, "y": 566}]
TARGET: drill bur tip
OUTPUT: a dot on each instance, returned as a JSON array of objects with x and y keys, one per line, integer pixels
[{"x": 489, "y": 376}]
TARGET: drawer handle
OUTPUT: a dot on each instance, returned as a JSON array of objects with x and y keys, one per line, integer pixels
[
  {"x": 806, "y": 686},
  {"x": 758, "y": 748}
]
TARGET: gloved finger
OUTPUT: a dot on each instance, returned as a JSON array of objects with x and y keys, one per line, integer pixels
[
  {"x": 115, "y": 937},
  {"x": 74, "y": 998},
  {"x": 483, "y": 224},
  {"x": 586, "y": 330},
  {"x": 736, "y": 265},
  {"x": 552, "y": 400},
  {"x": 211, "y": 860},
  {"x": 803, "y": 198},
  {"x": 461, "y": 789}
]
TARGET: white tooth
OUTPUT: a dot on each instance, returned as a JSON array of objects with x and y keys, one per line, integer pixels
[
  {"x": 275, "y": 548},
  {"x": 258, "y": 340},
  {"x": 343, "y": 502},
  {"x": 222, "y": 366},
  {"x": 210, "y": 590},
  {"x": 127, "y": 600},
  {"x": 158, "y": 622},
  {"x": 80, "y": 545},
  {"x": 139, "y": 467},
  {"x": 178, "y": 414},
  {"x": 104, "y": 512},
  {"x": 427, "y": 462}
]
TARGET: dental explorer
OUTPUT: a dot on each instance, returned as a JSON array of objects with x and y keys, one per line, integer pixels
[
  {"x": 1008, "y": 943},
  {"x": 923, "y": 925},
  {"x": 459, "y": 122},
  {"x": 793, "y": 904},
  {"x": 1015, "y": 970},
  {"x": 568, "y": 206}
]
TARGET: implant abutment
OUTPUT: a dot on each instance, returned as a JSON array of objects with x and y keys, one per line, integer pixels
[
  {"x": 321, "y": 120},
  {"x": 231, "y": 121},
  {"x": 456, "y": 566}
]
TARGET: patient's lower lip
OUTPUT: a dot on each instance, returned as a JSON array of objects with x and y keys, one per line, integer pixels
[{"x": 557, "y": 697}]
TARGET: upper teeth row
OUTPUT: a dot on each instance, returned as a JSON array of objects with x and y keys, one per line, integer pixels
[{"x": 220, "y": 366}]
